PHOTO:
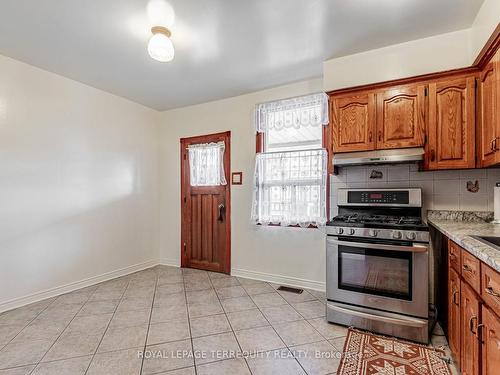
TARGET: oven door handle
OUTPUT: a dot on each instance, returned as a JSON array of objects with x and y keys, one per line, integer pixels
[{"x": 414, "y": 249}]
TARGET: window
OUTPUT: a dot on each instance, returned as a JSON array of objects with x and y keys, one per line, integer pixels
[
  {"x": 206, "y": 164},
  {"x": 291, "y": 172}
]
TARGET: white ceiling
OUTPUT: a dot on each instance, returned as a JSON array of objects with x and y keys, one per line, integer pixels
[{"x": 223, "y": 47}]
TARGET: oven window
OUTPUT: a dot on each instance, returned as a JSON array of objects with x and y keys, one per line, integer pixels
[{"x": 379, "y": 272}]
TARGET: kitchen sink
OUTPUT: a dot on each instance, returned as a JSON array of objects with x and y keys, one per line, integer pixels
[{"x": 489, "y": 240}]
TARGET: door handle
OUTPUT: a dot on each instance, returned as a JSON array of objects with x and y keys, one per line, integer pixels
[
  {"x": 471, "y": 325},
  {"x": 221, "y": 209}
]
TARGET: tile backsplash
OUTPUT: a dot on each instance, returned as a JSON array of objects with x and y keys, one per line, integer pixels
[{"x": 442, "y": 190}]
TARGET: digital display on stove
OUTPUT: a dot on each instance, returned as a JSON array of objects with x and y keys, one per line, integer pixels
[{"x": 380, "y": 197}]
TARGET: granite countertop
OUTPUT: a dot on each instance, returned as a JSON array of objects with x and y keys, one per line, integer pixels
[{"x": 459, "y": 226}]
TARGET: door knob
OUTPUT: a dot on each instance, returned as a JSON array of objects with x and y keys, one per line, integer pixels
[{"x": 221, "y": 209}]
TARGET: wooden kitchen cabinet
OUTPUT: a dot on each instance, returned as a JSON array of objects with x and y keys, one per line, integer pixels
[
  {"x": 490, "y": 342},
  {"x": 451, "y": 125},
  {"x": 353, "y": 122},
  {"x": 488, "y": 113},
  {"x": 401, "y": 117},
  {"x": 469, "y": 321},
  {"x": 454, "y": 312}
]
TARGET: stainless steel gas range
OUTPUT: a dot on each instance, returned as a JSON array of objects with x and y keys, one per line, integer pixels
[{"x": 378, "y": 263}]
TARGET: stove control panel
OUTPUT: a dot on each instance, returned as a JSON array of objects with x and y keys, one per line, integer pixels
[
  {"x": 378, "y": 197},
  {"x": 389, "y": 234}
]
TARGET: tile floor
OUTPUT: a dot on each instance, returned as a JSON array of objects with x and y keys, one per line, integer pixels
[{"x": 169, "y": 321}]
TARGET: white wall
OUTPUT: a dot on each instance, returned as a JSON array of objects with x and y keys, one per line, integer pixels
[
  {"x": 422, "y": 56},
  {"x": 297, "y": 254},
  {"x": 483, "y": 26},
  {"x": 78, "y": 182}
]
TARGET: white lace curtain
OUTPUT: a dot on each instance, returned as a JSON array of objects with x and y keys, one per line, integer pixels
[
  {"x": 290, "y": 188},
  {"x": 309, "y": 110},
  {"x": 206, "y": 164}
]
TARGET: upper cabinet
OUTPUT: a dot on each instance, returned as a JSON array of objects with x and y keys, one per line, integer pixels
[
  {"x": 450, "y": 131},
  {"x": 488, "y": 113},
  {"x": 401, "y": 117},
  {"x": 353, "y": 122}
]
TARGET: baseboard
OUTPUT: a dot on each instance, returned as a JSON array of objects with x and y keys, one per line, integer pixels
[
  {"x": 279, "y": 279},
  {"x": 169, "y": 262},
  {"x": 38, "y": 296}
]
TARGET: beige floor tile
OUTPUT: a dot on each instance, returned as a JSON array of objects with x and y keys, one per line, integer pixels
[
  {"x": 174, "y": 330},
  {"x": 227, "y": 367},
  {"x": 247, "y": 319},
  {"x": 165, "y": 300},
  {"x": 275, "y": 362},
  {"x": 9, "y": 331},
  {"x": 205, "y": 309},
  {"x": 280, "y": 314},
  {"x": 129, "y": 304},
  {"x": 268, "y": 300},
  {"x": 23, "y": 353},
  {"x": 167, "y": 289},
  {"x": 167, "y": 313},
  {"x": 215, "y": 348},
  {"x": 130, "y": 318},
  {"x": 24, "y": 370},
  {"x": 106, "y": 295},
  {"x": 199, "y": 297},
  {"x": 168, "y": 356},
  {"x": 238, "y": 304},
  {"x": 318, "y": 358},
  {"x": 294, "y": 297},
  {"x": 139, "y": 292},
  {"x": 311, "y": 309},
  {"x": 123, "y": 362},
  {"x": 231, "y": 292},
  {"x": 72, "y": 345},
  {"x": 123, "y": 338},
  {"x": 18, "y": 317},
  {"x": 258, "y": 288},
  {"x": 223, "y": 282},
  {"x": 328, "y": 330},
  {"x": 297, "y": 333},
  {"x": 98, "y": 307},
  {"x": 182, "y": 371},
  {"x": 170, "y": 279},
  {"x": 89, "y": 325},
  {"x": 259, "y": 339},
  {"x": 197, "y": 285},
  {"x": 41, "y": 330},
  {"x": 72, "y": 366},
  {"x": 209, "y": 325}
]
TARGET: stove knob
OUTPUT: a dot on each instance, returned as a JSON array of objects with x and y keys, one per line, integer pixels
[
  {"x": 373, "y": 232},
  {"x": 397, "y": 235},
  {"x": 340, "y": 230},
  {"x": 351, "y": 231},
  {"x": 411, "y": 235}
]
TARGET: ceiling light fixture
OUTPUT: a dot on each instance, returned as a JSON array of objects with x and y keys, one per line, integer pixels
[{"x": 160, "y": 46}]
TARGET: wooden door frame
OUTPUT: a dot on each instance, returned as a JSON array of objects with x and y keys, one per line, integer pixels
[{"x": 226, "y": 136}]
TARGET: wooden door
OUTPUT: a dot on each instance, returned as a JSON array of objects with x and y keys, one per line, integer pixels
[
  {"x": 206, "y": 213},
  {"x": 469, "y": 364},
  {"x": 353, "y": 122},
  {"x": 451, "y": 125},
  {"x": 488, "y": 114},
  {"x": 490, "y": 343},
  {"x": 401, "y": 117},
  {"x": 454, "y": 313}
]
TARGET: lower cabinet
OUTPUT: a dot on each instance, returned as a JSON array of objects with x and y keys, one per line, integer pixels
[
  {"x": 473, "y": 325},
  {"x": 469, "y": 358},
  {"x": 490, "y": 337}
]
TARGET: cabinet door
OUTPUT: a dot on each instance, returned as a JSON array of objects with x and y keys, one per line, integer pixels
[
  {"x": 469, "y": 363},
  {"x": 451, "y": 124},
  {"x": 401, "y": 117},
  {"x": 488, "y": 91},
  {"x": 353, "y": 120},
  {"x": 454, "y": 314},
  {"x": 490, "y": 343}
]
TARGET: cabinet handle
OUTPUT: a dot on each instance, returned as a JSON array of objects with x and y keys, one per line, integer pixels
[
  {"x": 370, "y": 135},
  {"x": 380, "y": 135},
  {"x": 489, "y": 290},
  {"x": 495, "y": 144},
  {"x": 480, "y": 333},
  {"x": 455, "y": 293},
  {"x": 471, "y": 324},
  {"x": 467, "y": 268},
  {"x": 433, "y": 155}
]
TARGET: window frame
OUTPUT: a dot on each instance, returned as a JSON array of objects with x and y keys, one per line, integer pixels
[{"x": 325, "y": 143}]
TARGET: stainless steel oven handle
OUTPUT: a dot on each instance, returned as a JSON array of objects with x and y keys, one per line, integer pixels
[{"x": 414, "y": 249}]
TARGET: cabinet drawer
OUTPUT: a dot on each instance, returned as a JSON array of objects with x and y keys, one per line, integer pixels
[
  {"x": 490, "y": 287},
  {"x": 471, "y": 270},
  {"x": 454, "y": 256}
]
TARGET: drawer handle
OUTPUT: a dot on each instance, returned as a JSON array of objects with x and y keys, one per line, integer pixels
[
  {"x": 471, "y": 324},
  {"x": 480, "y": 333},
  {"x": 467, "y": 268},
  {"x": 455, "y": 293},
  {"x": 370, "y": 136},
  {"x": 489, "y": 290}
]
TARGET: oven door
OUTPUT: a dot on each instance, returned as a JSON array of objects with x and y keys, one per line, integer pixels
[{"x": 380, "y": 274}]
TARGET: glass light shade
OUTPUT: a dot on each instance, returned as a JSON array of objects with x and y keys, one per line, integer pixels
[{"x": 160, "y": 48}]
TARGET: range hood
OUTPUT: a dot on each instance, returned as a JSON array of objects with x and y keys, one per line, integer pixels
[{"x": 404, "y": 155}]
